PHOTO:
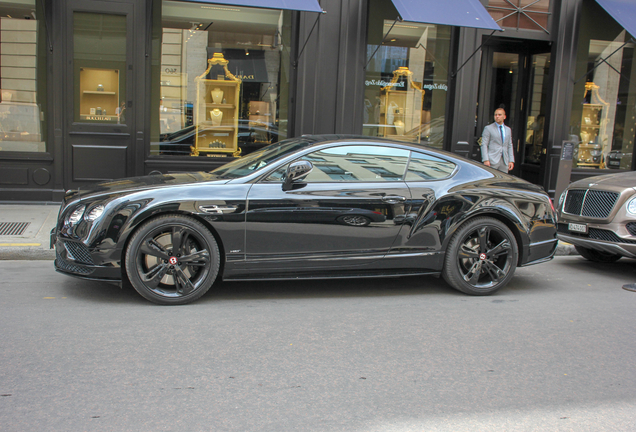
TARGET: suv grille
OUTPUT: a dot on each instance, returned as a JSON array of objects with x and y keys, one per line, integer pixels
[
  {"x": 631, "y": 227},
  {"x": 590, "y": 203}
]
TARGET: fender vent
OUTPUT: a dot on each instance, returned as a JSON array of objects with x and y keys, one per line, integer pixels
[{"x": 13, "y": 228}]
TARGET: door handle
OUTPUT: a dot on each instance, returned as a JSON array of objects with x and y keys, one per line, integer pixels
[{"x": 393, "y": 199}]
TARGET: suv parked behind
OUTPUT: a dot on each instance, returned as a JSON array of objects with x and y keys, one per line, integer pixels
[{"x": 598, "y": 216}]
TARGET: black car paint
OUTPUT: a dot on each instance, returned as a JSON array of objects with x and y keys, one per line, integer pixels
[{"x": 411, "y": 240}]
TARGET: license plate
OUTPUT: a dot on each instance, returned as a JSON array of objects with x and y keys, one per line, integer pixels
[{"x": 581, "y": 228}]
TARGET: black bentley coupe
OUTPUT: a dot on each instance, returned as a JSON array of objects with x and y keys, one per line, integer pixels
[{"x": 306, "y": 208}]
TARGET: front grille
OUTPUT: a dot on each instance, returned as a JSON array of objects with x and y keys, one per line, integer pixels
[
  {"x": 66, "y": 266},
  {"x": 79, "y": 252},
  {"x": 595, "y": 234},
  {"x": 590, "y": 203},
  {"x": 631, "y": 227}
]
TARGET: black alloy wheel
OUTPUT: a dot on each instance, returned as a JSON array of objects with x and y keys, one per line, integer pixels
[
  {"x": 172, "y": 260},
  {"x": 597, "y": 255},
  {"x": 481, "y": 257}
]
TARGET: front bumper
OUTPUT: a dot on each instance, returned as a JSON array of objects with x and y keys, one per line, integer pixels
[
  {"x": 75, "y": 259},
  {"x": 600, "y": 239}
]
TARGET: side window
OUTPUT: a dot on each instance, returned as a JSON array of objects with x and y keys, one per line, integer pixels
[
  {"x": 358, "y": 163},
  {"x": 427, "y": 167},
  {"x": 353, "y": 163}
]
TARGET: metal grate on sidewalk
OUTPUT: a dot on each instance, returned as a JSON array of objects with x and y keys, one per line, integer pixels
[{"x": 13, "y": 228}]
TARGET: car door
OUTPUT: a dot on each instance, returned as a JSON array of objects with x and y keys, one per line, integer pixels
[{"x": 347, "y": 212}]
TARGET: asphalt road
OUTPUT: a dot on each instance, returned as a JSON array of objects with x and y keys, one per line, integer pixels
[{"x": 554, "y": 351}]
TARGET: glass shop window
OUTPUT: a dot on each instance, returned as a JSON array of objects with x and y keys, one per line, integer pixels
[
  {"x": 604, "y": 105},
  {"x": 99, "y": 43},
  {"x": 22, "y": 77},
  {"x": 220, "y": 79},
  {"x": 406, "y": 77}
]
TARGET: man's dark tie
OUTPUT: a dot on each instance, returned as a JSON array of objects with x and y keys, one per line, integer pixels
[{"x": 502, "y": 136}]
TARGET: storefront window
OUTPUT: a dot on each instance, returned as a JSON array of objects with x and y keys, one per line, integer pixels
[
  {"x": 603, "y": 108},
  {"x": 99, "y": 42},
  {"x": 406, "y": 77},
  {"x": 22, "y": 77},
  {"x": 220, "y": 83}
]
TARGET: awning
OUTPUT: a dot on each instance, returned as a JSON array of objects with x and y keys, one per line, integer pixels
[
  {"x": 460, "y": 13},
  {"x": 623, "y": 11},
  {"x": 296, "y": 5}
]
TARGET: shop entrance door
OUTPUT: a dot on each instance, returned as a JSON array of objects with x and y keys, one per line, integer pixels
[
  {"x": 101, "y": 98},
  {"x": 515, "y": 76}
]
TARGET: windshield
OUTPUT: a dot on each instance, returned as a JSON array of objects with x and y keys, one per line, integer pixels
[{"x": 254, "y": 161}]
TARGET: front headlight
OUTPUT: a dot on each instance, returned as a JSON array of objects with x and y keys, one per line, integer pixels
[
  {"x": 561, "y": 198},
  {"x": 94, "y": 213},
  {"x": 631, "y": 206},
  {"x": 77, "y": 214}
]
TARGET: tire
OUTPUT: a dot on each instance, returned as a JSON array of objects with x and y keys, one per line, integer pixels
[
  {"x": 170, "y": 274},
  {"x": 481, "y": 257},
  {"x": 597, "y": 255}
]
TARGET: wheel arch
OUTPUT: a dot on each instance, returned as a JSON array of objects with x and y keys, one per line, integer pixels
[
  {"x": 139, "y": 220},
  {"x": 505, "y": 215}
]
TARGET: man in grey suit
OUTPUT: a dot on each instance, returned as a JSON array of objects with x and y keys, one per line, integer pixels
[{"x": 496, "y": 144}]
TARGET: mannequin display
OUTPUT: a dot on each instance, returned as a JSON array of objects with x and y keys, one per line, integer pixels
[
  {"x": 216, "y": 115},
  {"x": 390, "y": 113},
  {"x": 217, "y": 95}
]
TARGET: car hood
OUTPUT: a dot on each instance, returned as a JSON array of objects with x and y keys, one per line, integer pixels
[
  {"x": 135, "y": 184},
  {"x": 622, "y": 181}
]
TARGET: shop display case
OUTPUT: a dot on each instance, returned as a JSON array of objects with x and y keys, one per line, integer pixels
[
  {"x": 217, "y": 111},
  {"x": 401, "y": 107},
  {"x": 593, "y": 135},
  {"x": 99, "y": 94}
]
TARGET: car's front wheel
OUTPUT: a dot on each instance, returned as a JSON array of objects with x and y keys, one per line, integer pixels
[
  {"x": 597, "y": 255},
  {"x": 481, "y": 257},
  {"x": 172, "y": 260}
]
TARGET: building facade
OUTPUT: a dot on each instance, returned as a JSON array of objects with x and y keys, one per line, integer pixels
[{"x": 95, "y": 90}]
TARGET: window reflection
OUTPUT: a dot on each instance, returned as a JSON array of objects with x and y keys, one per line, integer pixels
[
  {"x": 406, "y": 77},
  {"x": 188, "y": 120},
  {"x": 603, "y": 109}
]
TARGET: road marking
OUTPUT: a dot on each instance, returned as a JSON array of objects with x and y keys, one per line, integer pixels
[{"x": 19, "y": 244}]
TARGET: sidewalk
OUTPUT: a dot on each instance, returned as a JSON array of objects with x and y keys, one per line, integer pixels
[
  {"x": 33, "y": 242},
  {"x": 35, "y": 221}
]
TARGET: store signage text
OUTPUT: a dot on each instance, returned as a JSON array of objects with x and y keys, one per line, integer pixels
[
  {"x": 383, "y": 83},
  {"x": 97, "y": 118}
]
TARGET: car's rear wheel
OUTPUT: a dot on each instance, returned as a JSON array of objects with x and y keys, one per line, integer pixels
[
  {"x": 597, "y": 255},
  {"x": 481, "y": 257},
  {"x": 172, "y": 260}
]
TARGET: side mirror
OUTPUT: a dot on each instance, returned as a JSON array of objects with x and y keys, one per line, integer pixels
[{"x": 295, "y": 172}]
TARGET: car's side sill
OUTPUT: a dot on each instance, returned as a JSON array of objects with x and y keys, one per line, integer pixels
[{"x": 331, "y": 275}]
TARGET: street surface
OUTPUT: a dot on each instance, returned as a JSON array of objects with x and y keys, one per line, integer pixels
[{"x": 553, "y": 351}]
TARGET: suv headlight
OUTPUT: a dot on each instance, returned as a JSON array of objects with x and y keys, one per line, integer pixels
[
  {"x": 631, "y": 206},
  {"x": 94, "y": 212},
  {"x": 561, "y": 198},
  {"x": 77, "y": 214}
]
